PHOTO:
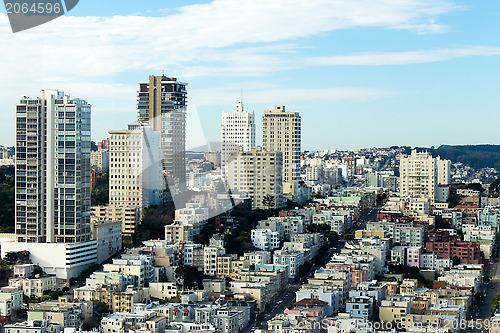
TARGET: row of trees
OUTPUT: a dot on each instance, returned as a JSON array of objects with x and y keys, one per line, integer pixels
[{"x": 7, "y": 199}]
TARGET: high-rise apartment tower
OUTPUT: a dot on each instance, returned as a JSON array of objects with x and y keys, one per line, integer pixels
[
  {"x": 53, "y": 169},
  {"x": 281, "y": 131},
  {"x": 162, "y": 103},
  {"x": 420, "y": 174},
  {"x": 237, "y": 130}
]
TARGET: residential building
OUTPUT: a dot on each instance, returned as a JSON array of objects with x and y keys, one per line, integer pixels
[
  {"x": 393, "y": 310},
  {"x": 265, "y": 239},
  {"x": 413, "y": 256},
  {"x": 258, "y": 173},
  {"x": 162, "y": 103},
  {"x": 210, "y": 255},
  {"x": 360, "y": 307},
  {"x": 466, "y": 252},
  {"x": 135, "y": 176},
  {"x": 237, "y": 130},
  {"x": 405, "y": 234},
  {"x": 432, "y": 261},
  {"x": 35, "y": 326},
  {"x": 100, "y": 160},
  {"x": 258, "y": 257},
  {"x": 291, "y": 259},
  {"x": 11, "y": 300},
  {"x": 140, "y": 266},
  {"x": 52, "y": 169},
  {"x": 109, "y": 238},
  {"x": 281, "y": 132},
  {"x": 66, "y": 314},
  {"x": 129, "y": 216},
  {"x": 23, "y": 270},
  {"x": 420, "y": 174}
]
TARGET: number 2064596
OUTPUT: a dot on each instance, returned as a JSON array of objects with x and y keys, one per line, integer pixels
[{"x": 39, "y": 8}]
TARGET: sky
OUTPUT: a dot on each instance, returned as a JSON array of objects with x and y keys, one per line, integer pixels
[{"x": 361, "y": 73}]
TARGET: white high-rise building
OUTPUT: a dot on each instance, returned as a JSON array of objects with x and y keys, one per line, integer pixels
[
  {"x": 420, "y": 174},
  {"x": 53, "y": 184},
  {"x": 237, "y": 130},
  {"x": 281, "y": 131},
  {"x": 53, "y": 169},
  {"x": 135, "y": 172}
]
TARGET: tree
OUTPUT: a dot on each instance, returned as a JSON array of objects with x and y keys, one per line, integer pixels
[
  {"x": 495, "y": 188},
  {"x": 100, "y": 194},
  {"x": 189, "y": 277},
  {"x": 475, "y": 186},
  {"x": 456, "y": 260},
  {"x": 439, "y": 223},
  {"x": 348, "y": 237},
  {"x": 305, "y": 268},
  {"x": 333, "y": 238},
  {"x": 268, "y": 201}
]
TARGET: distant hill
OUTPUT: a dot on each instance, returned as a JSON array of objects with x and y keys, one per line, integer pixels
[{"x": 476, "y": 156}]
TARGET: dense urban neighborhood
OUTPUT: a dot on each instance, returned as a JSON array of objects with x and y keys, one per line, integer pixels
[{"x": 135, "y": 234}]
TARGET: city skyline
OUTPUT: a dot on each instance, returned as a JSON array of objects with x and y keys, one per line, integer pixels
[{"x": 358, "y": 74}]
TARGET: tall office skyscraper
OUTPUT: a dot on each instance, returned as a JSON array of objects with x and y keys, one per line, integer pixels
[
  {"x": 162, "y": 103},
  {"x": 420, "y": 174},
  {"x": 52, "y": 169},
  {"x": 237, "y": 130},
  {"x": 281, "y": 131}
]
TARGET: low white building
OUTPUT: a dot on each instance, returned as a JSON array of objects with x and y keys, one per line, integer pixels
[
  {"x": 432, "y": 261},
  {"x": 163, "y": 290},
  {"x": 108, "y": 236},
  {"x": 258, "y": 257},
  {"x": 265, "y": 239},
  {"x": 291, "y": 259},
  {"x": 329, "y": 294},
  {"x": 35, "y": 286},
  {"x": 65, "y": 260},
  {"x": 11, "y": 300},
  {"x": 140, "y": 266}
]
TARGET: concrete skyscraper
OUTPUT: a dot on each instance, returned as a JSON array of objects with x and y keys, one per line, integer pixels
[
  {"x": 52, "y": 219},
  {"x": 162, "y": 103},
  {"x": 237, "y": 130},
  {"x": 136, "y": 177},
  {"x": 281, "y": 131},
  {"x": 53, "y": 169}
]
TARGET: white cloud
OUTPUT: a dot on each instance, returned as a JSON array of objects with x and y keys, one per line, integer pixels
[
  {"x": 201, "y": 39},
  {"x": 403, "y": 58}
]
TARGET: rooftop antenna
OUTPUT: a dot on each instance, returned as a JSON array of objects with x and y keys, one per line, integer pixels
[
  {"x": 162, "y": 72},
  {"x": 241, "y": 101}
]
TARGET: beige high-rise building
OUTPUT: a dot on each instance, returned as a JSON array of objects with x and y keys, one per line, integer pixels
[
  {"x": 257, "y": 173},
  {"x": 281, "y": 131},
  {"x": 135, "y": 173},
  {"x": 420, "y": 174},
  {"x": 128, "y": 216}
]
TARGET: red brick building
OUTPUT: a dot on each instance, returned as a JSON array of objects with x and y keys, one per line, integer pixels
[
  {"x": 433, "y": 235},
  {"x": 467, "y": 252}
]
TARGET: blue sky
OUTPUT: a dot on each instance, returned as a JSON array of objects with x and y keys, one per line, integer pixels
[{"x": 361, "y": 73}]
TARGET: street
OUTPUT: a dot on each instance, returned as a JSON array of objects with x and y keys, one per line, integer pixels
[{"x": 287, "y": 298}]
